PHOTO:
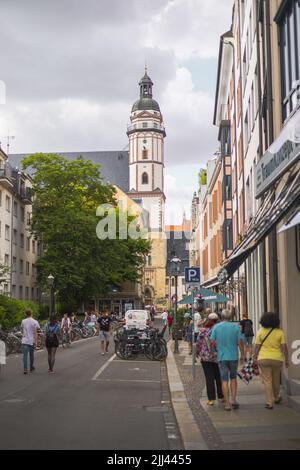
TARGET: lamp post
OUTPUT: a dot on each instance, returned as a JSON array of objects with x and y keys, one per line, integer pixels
[
  {"x": 51, "y": 284},
  {"x": 175, "y": 263}
]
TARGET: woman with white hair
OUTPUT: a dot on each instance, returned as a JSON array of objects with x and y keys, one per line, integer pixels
[{"x": 208, "y": 357}]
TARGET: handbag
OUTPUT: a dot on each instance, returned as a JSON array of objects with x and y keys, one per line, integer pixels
[{"x": 251, "y": 368}]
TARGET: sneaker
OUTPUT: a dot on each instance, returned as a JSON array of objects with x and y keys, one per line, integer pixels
[{"x": 25, "y": 372}]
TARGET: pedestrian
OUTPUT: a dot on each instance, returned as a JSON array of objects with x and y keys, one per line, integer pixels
[
  {"x": 197, "y": 324},
  {"x": 170, "y": 322},
  {"x": 208, "y": 357},
  {"x": 104, "y": 331},
  {"x": 271, "y": 351},
  {"x": 66, "y": 328},
  {"x": 52, "y": 340},
  {"x": 189, "y": 336},
  {"x": 29, "y": 329},
  {"x": 164, "y": 317},
  {"x": 227, "y": 338},
  {"x": 152, "y": 313},
  {"x": 87, "y": 318},
  {"x": 248, "y": 335}
]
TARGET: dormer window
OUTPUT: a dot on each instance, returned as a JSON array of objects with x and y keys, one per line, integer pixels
[{"x": 145, "y": 124}]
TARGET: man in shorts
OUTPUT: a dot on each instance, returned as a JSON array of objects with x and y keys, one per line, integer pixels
[
  {"x": 104, "y": 331},
  {"x": 227, "y": 338}
]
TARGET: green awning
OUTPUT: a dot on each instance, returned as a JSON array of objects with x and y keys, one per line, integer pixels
[{"x": 209, "y": 296}]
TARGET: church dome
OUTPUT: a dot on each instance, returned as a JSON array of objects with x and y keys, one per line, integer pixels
[{"x": 145, "y": 103}]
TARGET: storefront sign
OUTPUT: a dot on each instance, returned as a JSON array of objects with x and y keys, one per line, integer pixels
[{"x": 281, "y": 155}]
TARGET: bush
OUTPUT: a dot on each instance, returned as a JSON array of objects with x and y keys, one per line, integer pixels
[{"x": 12, "y": 311}]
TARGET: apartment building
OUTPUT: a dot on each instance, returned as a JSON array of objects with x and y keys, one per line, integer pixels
[
  {"x": 18, "y": 249},
  {"x": 261, "y": 103}
]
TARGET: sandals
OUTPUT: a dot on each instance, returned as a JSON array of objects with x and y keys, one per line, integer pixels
[{"x": 269, "y": 407}]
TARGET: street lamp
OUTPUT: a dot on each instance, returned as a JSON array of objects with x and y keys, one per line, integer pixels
[
  {"x": 51, "y": 284},
  {"x": 175, "y": 267}
]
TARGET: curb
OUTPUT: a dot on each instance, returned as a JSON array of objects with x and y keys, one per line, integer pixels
[{"x": 191, "y": 435}]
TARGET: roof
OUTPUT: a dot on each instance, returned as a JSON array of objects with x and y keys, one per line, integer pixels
[
  {"x": 114, "y": 164},
  {"x": 145, "y": 103}
]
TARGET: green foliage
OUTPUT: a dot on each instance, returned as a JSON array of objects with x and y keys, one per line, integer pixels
[
  {"x": 4, "y": 273},
  {"x": 179, "y": 315},
  {"x": 12, "y": 311},
  {"x": 202, "y": 177},
  {"x": 66, "y": 195}
]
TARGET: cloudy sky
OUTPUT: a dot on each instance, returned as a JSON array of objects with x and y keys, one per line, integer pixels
[{"x": 71, "y": 70}]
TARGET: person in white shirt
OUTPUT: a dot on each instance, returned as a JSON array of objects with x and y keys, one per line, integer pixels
[
  {"x": 29, "y": 328},
  {"x": 164, "y": 317}
]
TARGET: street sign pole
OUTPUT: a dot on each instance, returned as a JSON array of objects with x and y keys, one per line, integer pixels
[{"x": 193, "y": 337}]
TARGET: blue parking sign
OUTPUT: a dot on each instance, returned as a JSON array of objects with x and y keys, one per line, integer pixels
[{"x": 192, "y": 275}]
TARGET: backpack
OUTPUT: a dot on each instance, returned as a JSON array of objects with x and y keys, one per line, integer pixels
[
  {"x": 248, "y": 330},
  {"x": 51, "y": 332}
]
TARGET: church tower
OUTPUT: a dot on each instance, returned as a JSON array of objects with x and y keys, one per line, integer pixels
[{"x": 146, "y": 135}]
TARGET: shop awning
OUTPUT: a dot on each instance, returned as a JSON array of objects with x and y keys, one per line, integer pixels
[
  {"x": 292, "y": 222},
  {"x": 267, "y": 217},
  {"x": 209, "y": 296}
]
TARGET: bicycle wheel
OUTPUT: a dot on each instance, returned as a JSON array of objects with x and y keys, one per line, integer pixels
[
  {"x": 159, "y": 350},
  {"x": 120, "y": 349}
]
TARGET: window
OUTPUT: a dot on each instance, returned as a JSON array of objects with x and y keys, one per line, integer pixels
[
  {"x": 26, "y": 293},
  {"x": 145, "y": 178},
  {"x": 0, "y": 198},
  {"x": 22, "y": 214},
  {"x": 28, "y": 218},
  {"x": 27, "y": 243},
  {"x": 149, "y": 261},
  {"x": 21, "y": 266},
  {"x": 32, "y": 293},
  {"x": 33, "y": 246},
  {"x": 15, "y": 236},
  {"x": 14, "y": 264},
  {"x": 33, "y": 270},
  {"x": 7, "y": 231},
  {"x": 145, "y": 125},
  {"x": 13, "y": 291},
  {"x": 145, "y": 154},
  {"x": 20, "y": 292},
  {"x": 22, "y": 240},
  {"x": 227, "y": 188},
  {"x": 173, "y": 282},
  {"x": 7, "y": 203},
  {"x": 289, "y": 26},
  {"x": 6, "y": 260},
  {"x": 27, "y": 268},
  {"x": 15, "y": 209}
]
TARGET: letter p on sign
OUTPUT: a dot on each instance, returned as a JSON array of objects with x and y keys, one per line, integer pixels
[{"x": 192, "y": 275}]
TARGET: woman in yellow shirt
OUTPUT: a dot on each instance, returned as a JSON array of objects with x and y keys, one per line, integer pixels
[{"x": 271, "y": 351}]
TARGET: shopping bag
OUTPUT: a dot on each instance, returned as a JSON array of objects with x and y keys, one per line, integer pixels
[{"x": 249, "y": 370}]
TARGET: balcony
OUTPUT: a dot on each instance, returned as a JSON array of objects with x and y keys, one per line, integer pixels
[
  {"x": 25, "y": 195},
  {"x": 151, "y": 127},
  {"x": 6, "y": 177}
]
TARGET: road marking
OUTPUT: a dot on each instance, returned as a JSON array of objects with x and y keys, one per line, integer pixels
[
  {"x": 102, "y": 368},
  {"x": 133, "y": 362},
  {"x": 128, "y": 380}
]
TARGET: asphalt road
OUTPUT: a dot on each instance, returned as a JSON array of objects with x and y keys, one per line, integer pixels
[{"x": 91, "y": 402}]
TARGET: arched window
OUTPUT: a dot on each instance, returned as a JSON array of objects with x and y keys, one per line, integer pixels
[
  {"x": 145, "y": 179},
  {"x": 173, "y": 282}
]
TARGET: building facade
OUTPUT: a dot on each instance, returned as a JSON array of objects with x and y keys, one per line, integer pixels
[{"x": 18, "y": 249}]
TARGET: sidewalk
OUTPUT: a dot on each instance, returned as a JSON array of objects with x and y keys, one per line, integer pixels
[{"x": 250, "y": 427}]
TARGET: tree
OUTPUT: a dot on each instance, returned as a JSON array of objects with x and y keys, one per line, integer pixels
[
  {"x": 4, "y": 273},
  {"x": 66, "y": 195}
]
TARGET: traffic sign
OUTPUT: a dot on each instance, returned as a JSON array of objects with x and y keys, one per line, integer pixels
[{"x": 192, "y": 275}]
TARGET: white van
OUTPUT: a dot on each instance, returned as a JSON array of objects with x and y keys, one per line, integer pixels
[{"x": 139, "y": 319}]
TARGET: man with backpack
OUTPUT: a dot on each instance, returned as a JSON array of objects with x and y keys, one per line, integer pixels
[{"x": 248, "y": 334}]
